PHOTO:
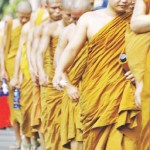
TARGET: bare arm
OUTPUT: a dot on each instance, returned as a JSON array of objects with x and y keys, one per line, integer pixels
[
  {"x": 43, "y": 45},
  {"x": 18, "y": 57},
  {"x": 30, "y": 38},
  {"x": 140, "y": 21},
  {"x": 72, "y": 49},
  {"x": 15, "y": 81},
  {"x": 62, "y": 43}
]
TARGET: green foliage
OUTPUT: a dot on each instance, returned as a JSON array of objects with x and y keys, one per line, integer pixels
[{"x": 6, "y": 8}]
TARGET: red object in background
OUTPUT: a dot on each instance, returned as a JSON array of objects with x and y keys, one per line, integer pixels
[{"x": 4, "y": 112}]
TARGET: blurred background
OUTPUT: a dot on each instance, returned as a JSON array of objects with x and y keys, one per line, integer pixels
[{"x": 9, "y": 6}]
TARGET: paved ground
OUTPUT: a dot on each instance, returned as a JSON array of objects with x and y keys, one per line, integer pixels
[{"x": 7, "y": 138}]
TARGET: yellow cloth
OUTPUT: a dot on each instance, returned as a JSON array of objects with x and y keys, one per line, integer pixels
[
  {"x": 39, "y": 17},
  {"x": 8, "y": 34},
  {"x": 71, "y": 127},
  {"x": 26, "y": 95},
  {"x": 52, "y": 99},
  {"x": 26, "y": 106},
  {"x": 108, "y": 110},
  {"x": 137, "y": 46},
  {"x": 36, "y": 108},
  {"x": 11, "y": 47},
  {"x": 145, "y": 134}
]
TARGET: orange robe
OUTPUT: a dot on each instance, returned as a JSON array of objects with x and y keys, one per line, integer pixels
[
  {"x": 145, "y": 134},
  {"x": 36, "y": 108},
  {"x": 108, "y": 111},
  {"x": 26, "y": 95},
  {"x": 71, "y": 127},
  {"x": 11, "y": 47},
  {"x": 52, "y": 100}
]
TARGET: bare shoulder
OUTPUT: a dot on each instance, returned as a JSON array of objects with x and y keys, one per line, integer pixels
[
  {"x": 50, "y": 27},
  {"x": 68, "y": 29}
]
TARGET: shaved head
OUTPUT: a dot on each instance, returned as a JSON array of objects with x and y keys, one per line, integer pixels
[
  {"x": 54, "y": 1},
  {"x": 67, "y": 4},
  {"x": 81, "y": 5},
  {"x": 24, "y": 7},
  {"x": 78, "y": 8}
]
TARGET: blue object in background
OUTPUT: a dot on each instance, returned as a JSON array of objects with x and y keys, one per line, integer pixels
[
  {"x": 1, "y": 91},
  {"x": 17, "y": 98},
  {"x": 5, "y": 90},
  {"x": 104, "y": 5}
]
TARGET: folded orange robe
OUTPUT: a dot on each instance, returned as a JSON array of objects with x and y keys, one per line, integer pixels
[
  {"x": 71, "y": 127},
  {"x": 108, "y": 110},
  {"x": 52, "y": 99},
  {"x": 36, "y": 106},
  {"x": 145, "y": 134},
  {"x": 11, "y": 47},
  {"x": 26, "y": 101}
]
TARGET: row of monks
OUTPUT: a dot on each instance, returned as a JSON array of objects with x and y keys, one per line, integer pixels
[{"x": 75, "y": 93}]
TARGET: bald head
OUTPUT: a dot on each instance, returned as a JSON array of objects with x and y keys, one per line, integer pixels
[
  {"x": 24, "y": 7},
  {"x": 54, "y": 1},
  {"x": 84, "y": 5},
  {"x": 78, "y": 8},
  {"x": 67, "y": 4}
]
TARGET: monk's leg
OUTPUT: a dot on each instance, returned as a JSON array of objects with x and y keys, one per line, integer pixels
[
  {"x": 27, "y": 143},
  {"x": 76, "y": 145},
  {"x": 16, "y": 127},
  {"x": 42, "y": 141}
]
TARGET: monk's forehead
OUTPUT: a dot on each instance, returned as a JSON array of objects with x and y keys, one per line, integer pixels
[
  {"x": 54, "y": 1},
  {"x": 81, "y": 4}
]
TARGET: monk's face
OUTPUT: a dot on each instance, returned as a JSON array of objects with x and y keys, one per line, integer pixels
[
  {"x": 23, "y": 17},
  {"x": 55, "y": 10},
  {"x": 119, "y": 6},
  {"x": 67, "y": 16},
  {"x": 75, "y": 14},
  {"x": 44, "y": 5}
]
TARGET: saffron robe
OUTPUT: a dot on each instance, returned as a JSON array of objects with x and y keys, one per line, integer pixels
[{"x": 108, "y": 111}]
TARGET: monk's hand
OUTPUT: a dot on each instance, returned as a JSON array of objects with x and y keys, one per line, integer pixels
[
  {"x": 138, "y": 92},
  {"x": 73, "y": 92},
  {"x": 129, "y": 76},
  {"x": 137, "y": 97},
  {"x": 15, "y": 82},
  {"x": 43, "y": 78},
  {"x": 3, "y": 75},
  {"x": 34, "y": 77},
  {"x": 58, "y": 77}
]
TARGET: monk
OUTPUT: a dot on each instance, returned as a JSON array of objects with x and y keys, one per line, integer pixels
[
  {"x": 51, "y": 98},
  {"x": 8, "y": 52},
  {"x": 141, "y": 65},
  {"x": 54, "y": 15},
  {"x": 32, "y": 113},
  {"x": 71, "y": 129},
  {"x": 108, "y": 111}
]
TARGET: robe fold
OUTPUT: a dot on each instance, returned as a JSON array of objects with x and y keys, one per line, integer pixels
[
  {"x": 53, "y": 100},
  {"x": 108, "y": 111},
  {"x": 36, "y": 108},
  {"x": 26, "y": 95},
  {"x": 71, "y": 127},
  {"x": 11, "y": 47},
  {"x": 145, "y": 133}
]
